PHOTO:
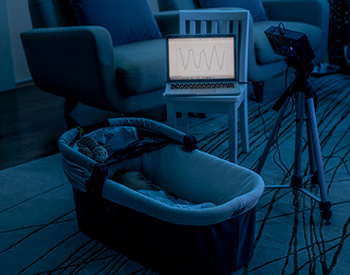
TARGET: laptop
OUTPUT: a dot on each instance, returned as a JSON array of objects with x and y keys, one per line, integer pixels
[{"x": 201, "y": 65}]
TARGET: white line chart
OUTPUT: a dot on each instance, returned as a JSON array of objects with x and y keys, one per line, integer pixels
[{"x": 202, "y": 58}]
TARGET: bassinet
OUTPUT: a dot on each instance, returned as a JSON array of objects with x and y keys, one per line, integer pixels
[{"x": 169, "y": 240}]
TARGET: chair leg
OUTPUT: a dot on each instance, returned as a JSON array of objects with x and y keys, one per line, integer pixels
[
  {"x": 68, "y": 108},
  {"x": 232, "y": 132},
  {"x": 243, "y": 115},
  {"x": 258, "y": 90}
]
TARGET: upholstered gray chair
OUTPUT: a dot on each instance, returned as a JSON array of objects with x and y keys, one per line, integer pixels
[
  {"x": 310, "y": 17},
  {"x": 81, "y": 63}
]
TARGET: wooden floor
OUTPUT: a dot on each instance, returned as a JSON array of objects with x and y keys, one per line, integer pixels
[{"x": 31, "y": 122}]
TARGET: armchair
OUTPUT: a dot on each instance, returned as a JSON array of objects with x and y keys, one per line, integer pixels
[
  {"x": 81, "y": 64},
  {"x": 310, "y": 17}
]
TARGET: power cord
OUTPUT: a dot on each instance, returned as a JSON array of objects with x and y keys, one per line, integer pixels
[{"x": 277, "y": 157}]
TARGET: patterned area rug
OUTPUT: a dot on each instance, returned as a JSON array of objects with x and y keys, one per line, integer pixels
[{"x": 39, "y": 233}]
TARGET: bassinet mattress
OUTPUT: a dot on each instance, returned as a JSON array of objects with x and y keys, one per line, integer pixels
[{"x": 174, "y": 201}]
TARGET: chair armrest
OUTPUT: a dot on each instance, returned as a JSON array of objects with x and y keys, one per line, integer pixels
[
  {"x": 69, "y": 61},
  {"x": 314, "y": 12},
  {"x": 168, "y": 22}
]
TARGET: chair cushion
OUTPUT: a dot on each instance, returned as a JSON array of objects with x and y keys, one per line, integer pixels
[
  {"x": 263, "y": 50},
  {"x": 254, "y": 6},
  {"x": 140, "y": 66},
  {"x": 127, "y": 21},
  {"x": 167, "y": 5}
]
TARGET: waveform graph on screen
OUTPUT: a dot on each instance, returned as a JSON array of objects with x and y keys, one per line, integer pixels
[{"x": 202, "y": 57}]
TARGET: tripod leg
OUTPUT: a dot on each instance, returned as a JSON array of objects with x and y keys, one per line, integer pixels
[
  {"x": 271, "y": 138},
  {"x": 297, "y": 179},
  {"x": 325, "y": 205},
  {"x": 311, "y": 149}
]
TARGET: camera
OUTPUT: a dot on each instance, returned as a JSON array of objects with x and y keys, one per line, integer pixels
[{"x": 293, "y": 45}]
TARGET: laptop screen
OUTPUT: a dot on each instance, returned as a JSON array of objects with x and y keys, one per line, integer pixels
[{"x": 210, "y": 57}]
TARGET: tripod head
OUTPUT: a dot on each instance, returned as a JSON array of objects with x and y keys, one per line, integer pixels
[
  {"x": 291, "y": 44},
  {"x": 296, "y": 47}
]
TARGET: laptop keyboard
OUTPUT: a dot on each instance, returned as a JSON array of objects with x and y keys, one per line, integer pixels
[{"x": 216, "y": 85}]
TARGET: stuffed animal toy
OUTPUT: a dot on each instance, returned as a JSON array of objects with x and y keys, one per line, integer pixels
[{"x": 91, "y": 148}]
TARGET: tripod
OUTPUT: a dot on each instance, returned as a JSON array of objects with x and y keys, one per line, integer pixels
[{"x": 301, "y": 88}]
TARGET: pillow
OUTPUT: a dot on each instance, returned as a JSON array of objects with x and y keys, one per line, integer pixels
[
  {"x": 254, "y": 6},
  {"x": 167, "y": 5},
  {"x": 126, "y": 20}
]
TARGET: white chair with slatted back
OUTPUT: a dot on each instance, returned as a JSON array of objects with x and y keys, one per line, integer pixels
[{"x": 218, "y": 21}]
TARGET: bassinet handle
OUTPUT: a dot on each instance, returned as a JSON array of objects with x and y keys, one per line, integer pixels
[
  {"x": 97, "y": 179},
  {"x": 151, "y": 125},
  {"x": 189, "y": 141}
]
